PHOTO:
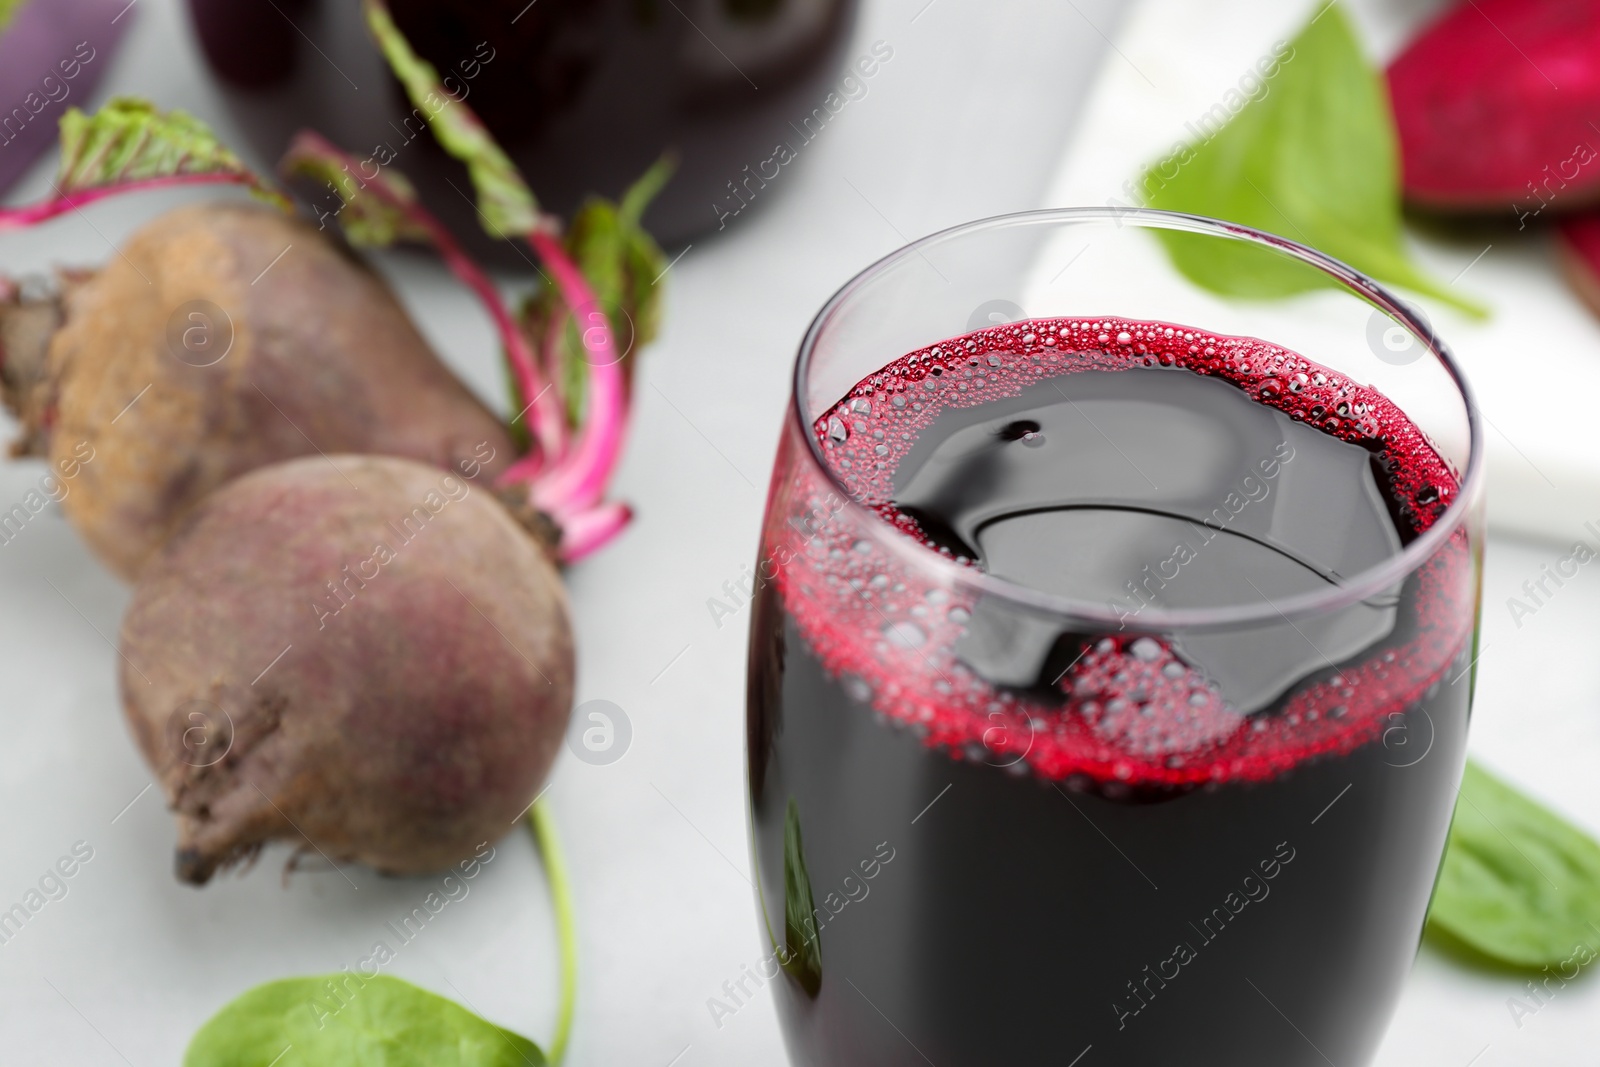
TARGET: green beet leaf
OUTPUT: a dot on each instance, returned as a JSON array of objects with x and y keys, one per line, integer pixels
[
  {"x": 617, "y": 258},
  {"x": 367, "y": 221},
  {"x": 1314, "y": 159},
  {"x": 803, "y": 950},
  {"x": 506, "y": 205},
  {"x": 642, "y": 259},
  {"x": 342, "y": 1020},
  {"x": 623, "y": 264},
  {"x": 131, "y": 140},
  {"x": 1520, "y": 884}
]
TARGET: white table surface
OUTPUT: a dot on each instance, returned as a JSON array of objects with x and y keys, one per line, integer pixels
[{"x": 129, "y": 963}]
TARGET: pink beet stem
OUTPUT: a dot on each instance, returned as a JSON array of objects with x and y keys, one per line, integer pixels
[
  {"x": 530, "y": 383},
  {"x": 462, "y": 266},
  {"x": 20, "y": 218},
  {"x": 547, "y": 432},
  {"x": 546, "y": 410},
  {"x": 525, "y": 469},
  {"x": 578, "y": 480},
  {"x": 553, "y": 405},
  {"x": 589, "y": 530}
]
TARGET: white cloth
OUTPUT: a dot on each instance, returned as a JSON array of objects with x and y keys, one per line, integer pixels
[{"x": 1535, "y": 364}]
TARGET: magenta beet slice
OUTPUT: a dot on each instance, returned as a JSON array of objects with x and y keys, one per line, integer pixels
[
  {"x": 1578, "y": 245},
  {"x": 1494, "y": 103}
]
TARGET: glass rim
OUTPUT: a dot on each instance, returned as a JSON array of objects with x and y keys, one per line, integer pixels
[{"x": 1367, "y": 583}]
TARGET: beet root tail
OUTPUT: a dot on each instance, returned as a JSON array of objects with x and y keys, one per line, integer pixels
[{"x": 232, "y": 829}]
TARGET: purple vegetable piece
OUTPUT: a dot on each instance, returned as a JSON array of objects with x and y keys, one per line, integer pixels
[{"x": 52, "y": 55}]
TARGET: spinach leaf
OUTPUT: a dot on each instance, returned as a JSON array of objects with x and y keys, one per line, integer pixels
[
  {"x": 345, "y": 1020},
  {"x": 1313, "y": 159},
  {"x": 1520, "y": 884},
  {"x": 803, "y": 950}
]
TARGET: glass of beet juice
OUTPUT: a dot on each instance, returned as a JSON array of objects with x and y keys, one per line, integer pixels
[{"x": 1112, "y": 657}]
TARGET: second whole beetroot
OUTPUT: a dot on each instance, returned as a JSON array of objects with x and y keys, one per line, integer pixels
[{"x": 363, "y": 655}]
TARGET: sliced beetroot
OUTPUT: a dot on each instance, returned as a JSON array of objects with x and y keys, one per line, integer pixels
[
  {"x": 1578, "y": 246},
  {"x": 361, "y": 655},
  {"x": 224, "y": 337},
  {"x": 1494, "y": 104}
]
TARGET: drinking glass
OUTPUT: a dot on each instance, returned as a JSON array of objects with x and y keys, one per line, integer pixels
[{"x": 1110, "y": 813}]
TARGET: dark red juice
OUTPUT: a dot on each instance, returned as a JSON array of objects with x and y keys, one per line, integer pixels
[{"x": 1198, "y": 845}]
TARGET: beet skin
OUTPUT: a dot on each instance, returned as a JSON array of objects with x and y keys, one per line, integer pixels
[
  {"x": 363, "y": 655},
  {"x": 319, "y": 357}
]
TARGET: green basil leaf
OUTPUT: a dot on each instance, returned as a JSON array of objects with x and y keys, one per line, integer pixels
[
  {"x": 800, "y": 934},
  {"x": 1313, "y": 159},
  {"x": 130, "y": 140},
  {"x": 1520, "y": 884},
  {"x": 506, "y": 205},
  {"x": 345, "y": 1020}
]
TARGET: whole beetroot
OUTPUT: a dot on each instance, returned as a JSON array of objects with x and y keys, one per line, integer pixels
[
  {"x": 364, "y": 655},
  {"x": 224, "y": 337},
  {"x": 1493, "y": 103}
]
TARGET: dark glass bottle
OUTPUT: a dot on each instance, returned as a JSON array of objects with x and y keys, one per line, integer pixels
[{"x": 582, "y": 94}]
